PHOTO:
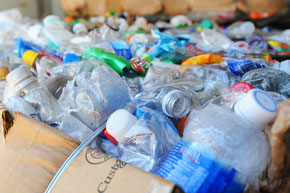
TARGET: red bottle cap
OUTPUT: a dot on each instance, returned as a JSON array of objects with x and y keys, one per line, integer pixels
[
  {"x": 181, "y": 125},
  {"x": 242, "y": 86},
  {"x": 110, "y": 137}
]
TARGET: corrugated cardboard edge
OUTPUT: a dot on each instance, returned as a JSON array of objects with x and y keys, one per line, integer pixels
[{"x": 6, "y": 123}]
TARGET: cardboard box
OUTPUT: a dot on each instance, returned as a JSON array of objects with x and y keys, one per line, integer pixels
[
  {"x": 94, "y": 171},
  {"x": 30, "y": 154},
  {"x": 262, "y": 5},
  {"x": 176, "y": 7},
  {"x": 81, "y": 8}
]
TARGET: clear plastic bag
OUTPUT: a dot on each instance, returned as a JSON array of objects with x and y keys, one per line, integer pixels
[
  {"x": 269, "y": 80},
  {"x": 148, "y": 141}
]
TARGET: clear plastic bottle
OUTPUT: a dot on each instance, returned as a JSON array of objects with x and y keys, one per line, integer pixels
[
  {"x": 220, "y": 152},
  {"x": 41, "y": 63},
  {"x": 177, "y": 98}
]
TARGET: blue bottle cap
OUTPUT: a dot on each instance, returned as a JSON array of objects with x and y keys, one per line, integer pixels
[{"x": 69, "y": 57}]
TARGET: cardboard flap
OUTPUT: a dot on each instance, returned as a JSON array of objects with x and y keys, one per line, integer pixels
[
  {"x": 6, "y": 123},
  {"x": 32, "y": 154}
]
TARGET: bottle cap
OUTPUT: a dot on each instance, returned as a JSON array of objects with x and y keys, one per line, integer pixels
[
  {"x": 247, "y": 28},
  {"x": 110, "y": 137},
  {"x": 242, "y": 86},
  {"x": 206, "y": 24},
  {"x": 70, "y": 57},
  {"x": 258, "y": 107},
  {"x": 80, "y": 28},
  {"x": 119, "y": 123},
  {"x": 29, "y": 57},
  {"x": 4, "y": 70},
  {"x": 285, "y": 66},
  {"x": 52, "y": 20}
]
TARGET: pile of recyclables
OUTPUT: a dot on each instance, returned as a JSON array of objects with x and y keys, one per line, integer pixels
[{"x": 172, "y": 106}]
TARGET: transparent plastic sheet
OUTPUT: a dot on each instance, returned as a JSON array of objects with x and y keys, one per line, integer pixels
[
  {"x": 89, "y": 97},
  {"x": 269, "y": 80},
  {"x": 148, "y": 141},
  {"x": 230, "y": 140}
]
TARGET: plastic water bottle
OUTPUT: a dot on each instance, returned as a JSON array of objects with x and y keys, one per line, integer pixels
[
  {"x": 219, "y": 152},
  {"x": 42, "y": 63},
  {"x": 4, "y": 70},
  {"x": 18, "y": 81},
  {"x": 222, "y": 149}
]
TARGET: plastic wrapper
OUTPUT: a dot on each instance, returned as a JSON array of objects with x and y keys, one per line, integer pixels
[
  {"x": 207, "y": 73},
  {"x": 230, "y": 140},
  {"x": 168, "y": 47},
  {"x": 148, "y": 142},
  {"x": 89, "y": 97},
  {"x": 269, "y": 80}
]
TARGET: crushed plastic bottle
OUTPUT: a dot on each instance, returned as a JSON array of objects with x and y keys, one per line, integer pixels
[{"x": 221, "y": 151}]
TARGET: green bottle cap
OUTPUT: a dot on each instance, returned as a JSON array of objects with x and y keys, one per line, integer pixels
[
  {"x": 75, "y": 22},
  {"x": 113, "y": 12},
  {"x": 206, "y": 24}
]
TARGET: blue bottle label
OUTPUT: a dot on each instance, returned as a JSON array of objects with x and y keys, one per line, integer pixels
[
  {"x": 197, "y": 173},
  {"x": 122, "y": 49}
]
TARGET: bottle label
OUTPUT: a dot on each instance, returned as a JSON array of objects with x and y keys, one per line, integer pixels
[
  {"x": 195, "y": 172},
  {"x": 122, "y": 49},
  {"x": 140, "y": 65}
]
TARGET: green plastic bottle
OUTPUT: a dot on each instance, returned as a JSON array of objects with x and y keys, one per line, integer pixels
[{"x": 117, "y": 63}]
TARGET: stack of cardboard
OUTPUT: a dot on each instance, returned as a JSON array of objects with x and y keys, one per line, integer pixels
[{"x": 82, "y": 8}]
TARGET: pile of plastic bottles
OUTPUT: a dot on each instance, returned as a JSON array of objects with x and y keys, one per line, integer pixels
[{"x": 186, "y": 101}]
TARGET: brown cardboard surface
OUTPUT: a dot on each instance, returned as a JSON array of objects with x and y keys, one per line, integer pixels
[
  {"x": 139, "y": 7},
  {"x": 94, "y": 171},
  {"x": 212, "y": 5},
  {"x": 30, "y": 154},
  {"x": 262, "y": 5},
  {"x": 176, "y": 6}
]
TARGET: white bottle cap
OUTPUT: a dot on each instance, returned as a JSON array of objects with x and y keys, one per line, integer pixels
[
  {"x": 80, "y": 28},
  {"x": 285, "y": 66},
  {"x": 119, "y": 123},
  {"x": 258, "y": 107},
  {"x": 247, "y": 28}
]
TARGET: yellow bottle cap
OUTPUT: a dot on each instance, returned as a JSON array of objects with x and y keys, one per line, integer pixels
[
  {"x": 29, "y": 57},
  {"x": 4, "y": 70},
  {"x": 107, "y": 14}
]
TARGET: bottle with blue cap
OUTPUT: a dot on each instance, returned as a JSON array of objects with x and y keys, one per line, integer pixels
[{"x": 71, "y": 57}]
